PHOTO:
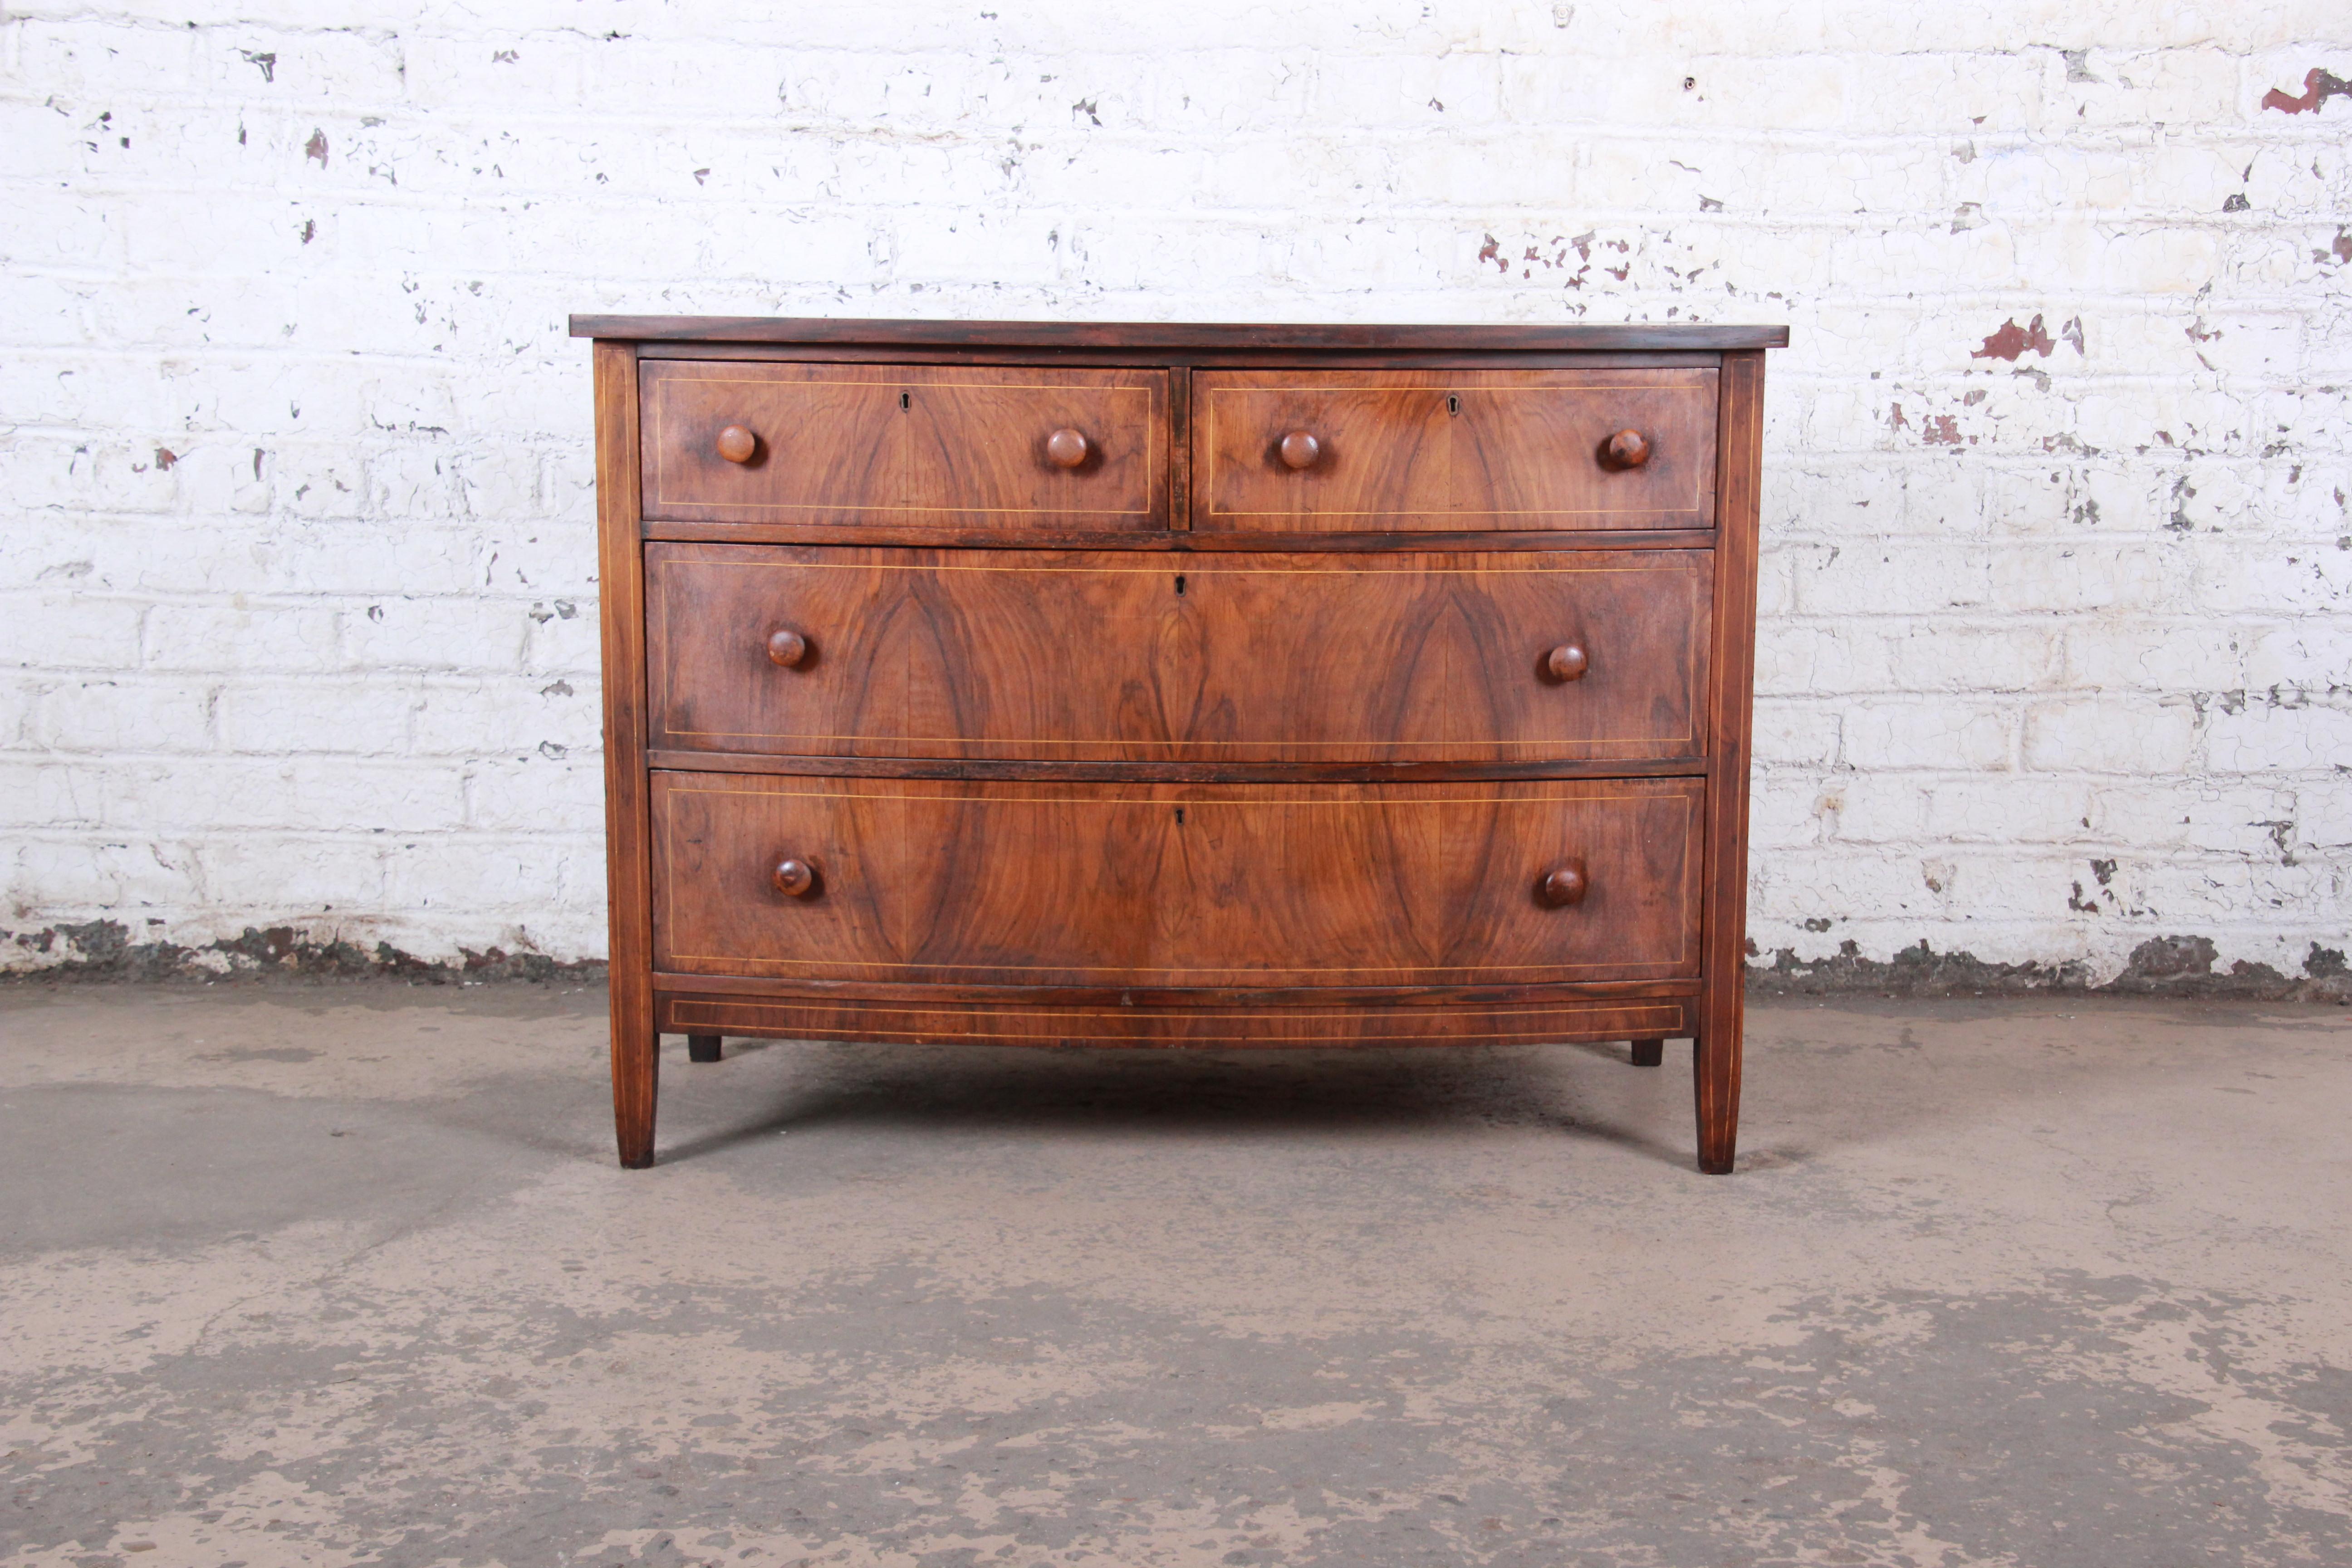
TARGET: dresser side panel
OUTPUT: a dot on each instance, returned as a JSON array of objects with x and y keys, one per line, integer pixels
[
  {"x": 628, "y": 876},
  {"x": 1715, "y": 1077}
]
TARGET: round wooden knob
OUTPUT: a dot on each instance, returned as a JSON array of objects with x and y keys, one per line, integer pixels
[
  {"x": 1628, "y": 450},
  {"x": 1563, "y": 885},
  {"x": 796, "y": 878},
  {"x": 1067, "y": 448},
  {"x": 736, "y": 444},
  {"x": 1300, "y": 450},
  {"x": 1565, "y": 662},
  {"x": 787, "y": 648}
]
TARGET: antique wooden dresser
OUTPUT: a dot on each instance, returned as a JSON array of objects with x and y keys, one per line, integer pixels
[{"x": 1177, "y": 685}]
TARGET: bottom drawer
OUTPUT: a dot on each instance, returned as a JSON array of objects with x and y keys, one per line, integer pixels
[{"x": 1176, "y": 885}]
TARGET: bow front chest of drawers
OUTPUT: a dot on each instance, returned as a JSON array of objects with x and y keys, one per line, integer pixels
[{"x": 1174, "y": 685}]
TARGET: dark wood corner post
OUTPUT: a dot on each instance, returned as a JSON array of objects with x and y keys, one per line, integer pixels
[
  {"x": 621, "y": 594},
  {"x": 1716, "y": 1048}
]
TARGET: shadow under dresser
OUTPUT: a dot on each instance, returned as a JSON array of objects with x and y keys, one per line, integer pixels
[{"x": 1041, "y": 683}]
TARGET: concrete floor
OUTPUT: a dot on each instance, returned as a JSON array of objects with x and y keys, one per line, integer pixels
[{"x": 342, "y": 1274}]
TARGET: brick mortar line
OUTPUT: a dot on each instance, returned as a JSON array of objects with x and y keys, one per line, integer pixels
[
  {"x": 1797, "y": 377},
  {"x": 987, "y": 145},
  {"x": 2078, "y": 377},
  {"x": 991, "y": 123},
  {"x": 2073, "y": 299},
  {"x": 1076, "y": 209},
  {"x": 588, "y": 756}
]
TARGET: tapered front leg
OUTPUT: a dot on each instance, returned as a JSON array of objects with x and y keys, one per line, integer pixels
[
  {"x": 1649, "y": 1053},
  {"x": 628, "y": 873},
  {"x": 702, "y": 1047},
  {"x": 1714, "y": 1090},
  {"x": 636, "y": 1082}
]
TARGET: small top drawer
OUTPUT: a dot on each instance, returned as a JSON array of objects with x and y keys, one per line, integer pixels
[
  {"x": 1462, "y": 451},
  {"x": 904, "y": 446}
]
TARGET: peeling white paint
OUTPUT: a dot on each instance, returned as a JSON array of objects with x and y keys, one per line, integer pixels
[{"x": 2058, "y": 549}]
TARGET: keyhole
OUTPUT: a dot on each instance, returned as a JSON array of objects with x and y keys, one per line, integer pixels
[
  {"x": 1453, "y": 404},
  {"x": 1179, "y": 816},
  {"x": 906, "y": 400},
  {"x": 1179, "y": 587}
]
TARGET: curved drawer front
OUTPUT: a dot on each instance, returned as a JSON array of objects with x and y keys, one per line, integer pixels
[
  {"x": 896, "y": 880},
  {"x": 1341, "y": 450},
  {"x": 1113, "y": 657},
  {"x": 904, "y": 446}
]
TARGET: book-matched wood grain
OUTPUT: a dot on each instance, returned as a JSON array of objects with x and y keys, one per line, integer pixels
[
  {"x": 1459, "y": 450},
  {"x": 1716, "y": 1048},
  {"x": 914, "y": 447},
  {"x": 1065, "y": 657},
  {"x": 621, "y": 624},
  {"x": 1080, "y": 884}
]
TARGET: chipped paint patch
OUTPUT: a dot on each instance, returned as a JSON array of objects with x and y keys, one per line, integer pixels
[
  {"x": 2318, "y": 87},
  {"x": 2012, "y": 339}
]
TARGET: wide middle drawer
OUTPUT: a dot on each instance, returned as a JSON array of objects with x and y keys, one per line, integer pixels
[{"x": 1121, "y": 657}]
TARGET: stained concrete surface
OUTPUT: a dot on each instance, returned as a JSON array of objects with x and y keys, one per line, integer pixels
[{"x": 346, "y": 1274}]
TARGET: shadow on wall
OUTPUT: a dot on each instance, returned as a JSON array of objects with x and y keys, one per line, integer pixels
[
  {"x": 2160, "y": 966},
  {"x": 102, "y": 949}
]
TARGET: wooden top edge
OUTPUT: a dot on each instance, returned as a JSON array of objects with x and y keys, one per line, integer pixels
[{"x": 822, "y": 330}]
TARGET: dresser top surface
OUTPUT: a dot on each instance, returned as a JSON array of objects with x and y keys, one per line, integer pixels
[{"x": 1520, "y": 338}]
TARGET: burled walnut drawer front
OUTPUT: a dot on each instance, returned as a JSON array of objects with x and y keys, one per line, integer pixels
[
  {"x": 1117, "y": 657},
  {"x": 1328, "y": 450},
  {"x": 1167, "y": 884},
  {"x": 904, "y": 446}
]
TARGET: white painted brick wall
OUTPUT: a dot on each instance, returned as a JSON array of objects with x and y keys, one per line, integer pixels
[{"x": 2055, "y": 657}]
